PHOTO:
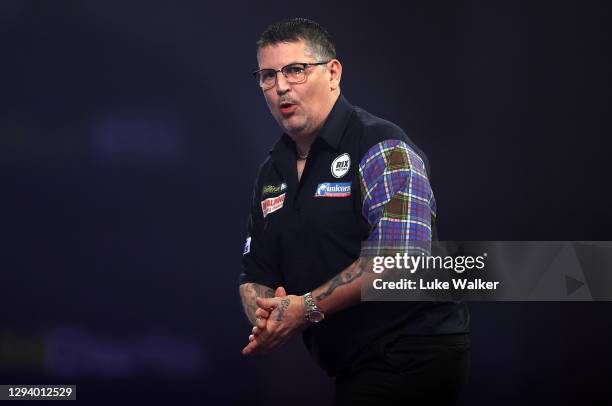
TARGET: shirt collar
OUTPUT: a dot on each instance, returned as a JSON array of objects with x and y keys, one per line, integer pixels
[{"x": 333, "y": 129}]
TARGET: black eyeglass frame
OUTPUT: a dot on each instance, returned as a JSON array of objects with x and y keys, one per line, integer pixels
[{"x": 282, "y": 70}]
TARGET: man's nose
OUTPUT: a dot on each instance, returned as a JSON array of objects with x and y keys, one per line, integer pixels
[{"x": 282, "y": 86}]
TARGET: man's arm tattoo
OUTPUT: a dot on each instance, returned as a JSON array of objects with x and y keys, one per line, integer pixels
[
  {"x": 344, "y": 278},
  {"x": 248, "y": 293},
  {"x": 284, "y": 304}
]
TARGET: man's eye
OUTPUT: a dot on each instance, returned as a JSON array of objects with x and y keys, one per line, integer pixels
[
  {"x": 295, "y": 70},
  {"x": 267, "y": 75}
]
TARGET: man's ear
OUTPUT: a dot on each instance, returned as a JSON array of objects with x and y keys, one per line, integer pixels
[{"x": 335, "y": 74}]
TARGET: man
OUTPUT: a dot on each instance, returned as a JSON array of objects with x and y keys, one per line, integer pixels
[{"x": 338, "y": 179}]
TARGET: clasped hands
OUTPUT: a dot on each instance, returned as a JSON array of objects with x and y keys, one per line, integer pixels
[{"x": 278, "y": 319}]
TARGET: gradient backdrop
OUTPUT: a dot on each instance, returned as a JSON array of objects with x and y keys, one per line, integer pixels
[{"x": 130, "y": 135}]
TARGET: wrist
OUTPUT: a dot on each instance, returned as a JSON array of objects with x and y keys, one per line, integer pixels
[{"x": 313, "y": 313}]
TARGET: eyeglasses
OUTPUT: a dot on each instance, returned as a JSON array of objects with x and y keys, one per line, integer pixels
[{"x": 294, "y": 73}]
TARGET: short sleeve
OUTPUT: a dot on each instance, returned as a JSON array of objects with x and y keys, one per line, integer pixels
[
  {"x": 398, "y": 201},
  {"x": 259, "y": 257}
]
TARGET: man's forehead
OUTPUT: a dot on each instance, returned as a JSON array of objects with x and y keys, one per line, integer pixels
[{"x": 283, "y": 53}]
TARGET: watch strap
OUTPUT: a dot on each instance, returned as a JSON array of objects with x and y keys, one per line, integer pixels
[{"x": 313, "y": 312}]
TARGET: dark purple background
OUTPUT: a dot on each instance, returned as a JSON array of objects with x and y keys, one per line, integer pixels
[{"x": 130, "y": 135}]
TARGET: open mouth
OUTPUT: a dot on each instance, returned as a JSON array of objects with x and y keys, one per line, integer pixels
[{"x": 287, "y": 108}]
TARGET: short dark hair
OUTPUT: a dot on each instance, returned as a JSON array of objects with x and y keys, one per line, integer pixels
[{"x": 294, "y": 29}]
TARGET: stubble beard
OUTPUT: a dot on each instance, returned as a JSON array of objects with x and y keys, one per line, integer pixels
[{"x": 296, "y": 130}]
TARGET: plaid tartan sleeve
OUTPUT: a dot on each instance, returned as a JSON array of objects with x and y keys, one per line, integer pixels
[{"x": 397, "y": 199}]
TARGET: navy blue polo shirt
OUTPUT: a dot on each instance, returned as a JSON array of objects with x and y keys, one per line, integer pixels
[{"x": 303, "y": 233}]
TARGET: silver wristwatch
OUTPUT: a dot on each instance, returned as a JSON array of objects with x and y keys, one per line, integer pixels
[{"x": 313, "y": 313}]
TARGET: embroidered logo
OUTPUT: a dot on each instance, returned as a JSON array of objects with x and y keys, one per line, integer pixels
[
  {"x": 247, "y": 246},
  {"x": 271, "y": 189},
  {"x": 272, "y": 204},
  {"x": 341, "y": 189},
  {"x": 341, "y": 165}
]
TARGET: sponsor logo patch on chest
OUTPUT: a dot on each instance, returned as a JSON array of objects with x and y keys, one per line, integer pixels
[
  {"x": 272, "y": 189},
  {"x": 341, "y": 165},
  {"x": 272, "y": 204},
  {"x": 338, "y": 189}
]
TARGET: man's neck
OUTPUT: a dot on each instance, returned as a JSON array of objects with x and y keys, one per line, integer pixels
[{"x": 303, "y": 143}]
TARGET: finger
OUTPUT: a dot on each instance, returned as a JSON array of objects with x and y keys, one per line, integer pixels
[
  {"x": 280, "y": 292},
  {"x": 264, "y": 314},
  {"x": 266, "y": 303},
  {"x": 261, "y": 323},
  {"x": 256, "y": 330},
  {"x": 259, "y": 344},
  {"x": 252, "y": 348},
  {"x": 251, "y": 337},
  {"x": 248, "y": 349}
]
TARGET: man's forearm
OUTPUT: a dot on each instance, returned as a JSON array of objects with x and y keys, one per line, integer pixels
[
  {"x": 343, "y": 290},
  {"x": 248, "y": 293}
]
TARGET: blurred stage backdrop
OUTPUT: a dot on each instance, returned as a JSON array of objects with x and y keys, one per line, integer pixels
[{"x": 130, "y": 135}]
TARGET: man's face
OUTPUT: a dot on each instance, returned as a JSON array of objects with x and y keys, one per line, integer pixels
[{"x": 299, "y": 108}]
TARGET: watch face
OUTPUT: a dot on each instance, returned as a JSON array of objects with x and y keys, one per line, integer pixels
[{"x": 316, "y": 316}]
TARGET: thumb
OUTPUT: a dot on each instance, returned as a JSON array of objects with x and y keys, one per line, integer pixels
[
  {"x": 266, "y": 303},
  {"x": 280, "y": 292}
]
